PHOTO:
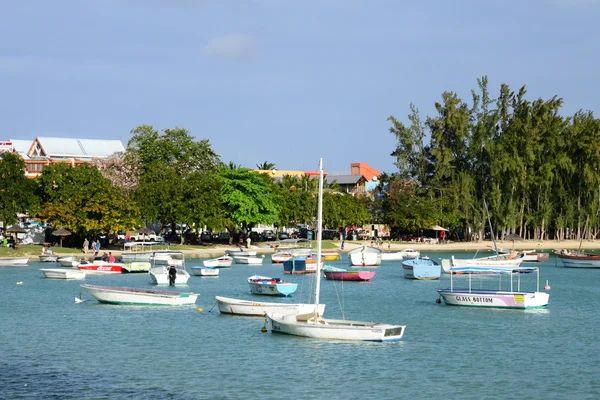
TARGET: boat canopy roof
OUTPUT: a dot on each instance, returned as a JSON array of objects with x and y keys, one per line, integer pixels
[
  {"x": 294, "y": 241},
  {"x": 499, "y": 270},
  {"x": 142, "y": 244}
]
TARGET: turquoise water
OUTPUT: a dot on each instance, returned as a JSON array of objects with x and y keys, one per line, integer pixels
[{"x": 52, "y": 347}]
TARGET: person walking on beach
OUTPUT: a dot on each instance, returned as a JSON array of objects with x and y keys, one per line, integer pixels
[
  {"x": 97, "y": 246},
  {"x": 94, "y": 248},
  {"x": 86, "y": 244}
]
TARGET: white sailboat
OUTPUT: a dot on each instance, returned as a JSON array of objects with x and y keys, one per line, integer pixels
[{"x": 314, "y": 326}]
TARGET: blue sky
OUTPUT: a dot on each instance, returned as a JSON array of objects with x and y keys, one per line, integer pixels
[{"x": 279, "y": 80}]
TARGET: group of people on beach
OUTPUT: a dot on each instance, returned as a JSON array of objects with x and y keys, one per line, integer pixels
[{"x": 95, "y": 246}]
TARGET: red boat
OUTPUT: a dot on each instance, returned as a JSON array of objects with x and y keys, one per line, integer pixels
[
  {"x": 101, "y": 267},
  {"x": 340, "y": 274}
]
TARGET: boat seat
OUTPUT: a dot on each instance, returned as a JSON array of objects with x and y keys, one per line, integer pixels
[{"x": 304, "y": 317}]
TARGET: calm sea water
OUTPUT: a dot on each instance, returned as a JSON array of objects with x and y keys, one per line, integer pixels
[{"x": 53, "y": 348}]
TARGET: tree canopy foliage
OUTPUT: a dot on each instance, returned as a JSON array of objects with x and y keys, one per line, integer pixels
[{"x": 537, "y": 169}]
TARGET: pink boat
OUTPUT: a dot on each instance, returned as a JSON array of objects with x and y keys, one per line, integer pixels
[{"x": 340, "y": 274}]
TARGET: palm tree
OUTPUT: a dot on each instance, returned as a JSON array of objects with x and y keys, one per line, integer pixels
[
  {"x": 266, "y": 166},
  {"x": 232, "y": 165}
]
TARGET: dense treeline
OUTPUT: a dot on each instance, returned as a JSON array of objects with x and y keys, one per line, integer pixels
[
  {"x": 167, "y": 179},
  {"x": 537, "y": 170}
]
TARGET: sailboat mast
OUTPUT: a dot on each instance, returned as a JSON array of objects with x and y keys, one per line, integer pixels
[
  {"x": 491, "y": 227},
  {"x": 319, "y": 238}
]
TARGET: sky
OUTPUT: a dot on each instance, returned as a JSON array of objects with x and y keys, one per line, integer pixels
[{"x": 282, "y": 81}]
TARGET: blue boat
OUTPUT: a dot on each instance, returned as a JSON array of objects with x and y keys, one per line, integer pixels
[
  {"x": 301, "y": 265},
  {"x": 422, "y": 268}
]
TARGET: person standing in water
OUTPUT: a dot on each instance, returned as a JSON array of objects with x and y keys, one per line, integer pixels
[{"x": 172, "y": 275}]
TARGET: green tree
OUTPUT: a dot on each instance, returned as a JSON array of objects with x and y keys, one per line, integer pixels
[
  {"x": 81, "y": 200},
  {"x": 17, "y": 192},
  {"x": 248, "y": 198},
  {"x": 265, "y": 166}
]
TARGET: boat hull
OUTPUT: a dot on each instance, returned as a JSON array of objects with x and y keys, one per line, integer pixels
[
  {"x": 579, "y": 260},
  {"x": 205, "y": 271},
  {"x": 240, "y": 253},
  {"x": 107, "y": 268},
  {"x": 133, "y": 296},
  {"x": 300, "y": 265},
  {"x": 13, "y": 261},
  {"x": 365, "y": 257},
  {"x": 421, "y": 269},
  {"x": 63, "y": 273},
  {"x": 248, "y": 260},
  {"x": 302, "y": 325},
  {"x": 271, "y": 286},
  {"x": 494, "y": 299},
  {"x": 534, "y": 256},
  {"x": 349, "y": 275},
  {"x": 255, "y": 308},
  {"x": 137, "y": 267},
  {"x": 221, "y": 262},
  {"x": 48, "y": 258}
]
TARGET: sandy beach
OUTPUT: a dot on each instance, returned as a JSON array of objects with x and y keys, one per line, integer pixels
[{"x": 268, "y": 248}]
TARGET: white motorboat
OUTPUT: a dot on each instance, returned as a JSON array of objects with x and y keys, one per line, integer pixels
[
  {"x": 258, "y": 308},
  {"x": 13, "y": 261},
  {"x": 166, "y": 257},
  {"x": 400, "y": 255},
  {"x": 48, "y": 258},
  {"x": 68, "y": 261},
  {"x": 135, "y": 296},
  {"x": 248, "y": 260},
  {"x": 500, "y": 260},
  {"x": 160, "y": 276},
  {"x": 221, "y": 262},
  {"x": 365, "y": 256},
  {"x": 313, "y": 325},
  {"x": 63, "y": 273},
  {"x": 205, "y": 271},
  {"x": 240, "y": 253}
]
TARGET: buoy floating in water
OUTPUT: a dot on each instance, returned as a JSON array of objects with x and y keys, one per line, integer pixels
[
  {"x": 547, "y": 287},
  {"x": 263, "y": 329},
  {"x": 200, "y": 309},
  {"x": 19, "y": 283}
]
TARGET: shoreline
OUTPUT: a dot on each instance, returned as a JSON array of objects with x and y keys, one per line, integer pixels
[{"x": 487, "y": 245}]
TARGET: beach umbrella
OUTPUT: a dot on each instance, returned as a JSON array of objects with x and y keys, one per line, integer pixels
[
  {"x": 439, "y": 228},
  {"x": 61, "y": 232},
  {"x": 513, "y": 237},
  {"x": 16, "y": 229}
]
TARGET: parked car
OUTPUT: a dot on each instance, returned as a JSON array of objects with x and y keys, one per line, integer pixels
[
  {"x": 283, "y": 235},
  {"x": 268, "y": 235},
  {"x": 206, "y": 236},
  {"x": 224, "y": 237}
]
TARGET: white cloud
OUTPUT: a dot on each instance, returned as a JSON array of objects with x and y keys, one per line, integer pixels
[{"x": 230, "y": 47}]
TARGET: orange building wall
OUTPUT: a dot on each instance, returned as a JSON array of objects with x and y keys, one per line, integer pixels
[{"x": 361, "y": 168}]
